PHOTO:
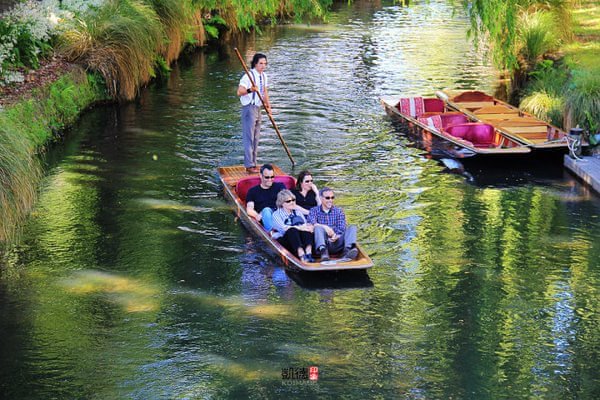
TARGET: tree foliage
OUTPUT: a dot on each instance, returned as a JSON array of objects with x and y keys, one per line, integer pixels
[{"x": 498, "y": 22}]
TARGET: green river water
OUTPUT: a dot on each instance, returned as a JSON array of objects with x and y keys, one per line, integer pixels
[{"x": 134, "y": 280}]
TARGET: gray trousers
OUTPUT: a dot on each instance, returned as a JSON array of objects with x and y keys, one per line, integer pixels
[
  {"x": 250, "y": 133},
  {"x": 335, "y": 247}
]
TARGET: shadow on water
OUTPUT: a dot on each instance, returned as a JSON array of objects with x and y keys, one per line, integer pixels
[
  {"x": 540, "y": 168},
  {"x": 332, "y": 279}
]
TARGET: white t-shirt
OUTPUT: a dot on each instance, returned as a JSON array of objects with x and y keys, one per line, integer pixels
[{"x": 260, "y": 80}]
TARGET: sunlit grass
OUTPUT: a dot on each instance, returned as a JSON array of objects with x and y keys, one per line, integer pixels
[
  {"x": 580, "y": 55},
  {"x": 544, "y": 106},
  {"x": 587, "y": 19}
]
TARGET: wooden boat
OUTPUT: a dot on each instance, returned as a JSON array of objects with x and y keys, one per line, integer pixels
[
  {"x": 236, "y": 182},
  {"x": 429, "y": 118},
  {"x": 511, "y": 121}
]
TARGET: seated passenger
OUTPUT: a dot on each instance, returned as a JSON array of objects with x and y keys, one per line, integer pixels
[
  {"x": 291, "y": 229},
  {"x": 306, "y": 192},
  {"x": 260, "y": 200},
  {"x": 330, "y": 229}
]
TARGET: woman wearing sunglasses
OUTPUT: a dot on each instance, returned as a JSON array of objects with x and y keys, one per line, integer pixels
[
  {"x": 291, "y": 229},
  {"x": 306, "y": 192}
]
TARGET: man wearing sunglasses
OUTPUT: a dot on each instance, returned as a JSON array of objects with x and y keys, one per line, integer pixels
[
  {"x": 260, "y": 200},
  {"x": 330, "y": 229}
]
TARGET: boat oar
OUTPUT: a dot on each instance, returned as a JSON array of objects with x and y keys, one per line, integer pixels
[{"x": 263, "y": 103}]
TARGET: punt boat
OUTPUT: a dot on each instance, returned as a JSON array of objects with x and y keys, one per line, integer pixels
[
  {"x": 430, "y": 119},
  {"x": 236, "y": 183},
  {"x": 511, "y": 121}
]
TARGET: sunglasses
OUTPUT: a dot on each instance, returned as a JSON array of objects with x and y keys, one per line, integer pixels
[
  {"x": 290, "y": 200},
  {"x": 329, "y": 197},
  {"x": 269, "y": 177},
  {"x": 308, "y": 181}
]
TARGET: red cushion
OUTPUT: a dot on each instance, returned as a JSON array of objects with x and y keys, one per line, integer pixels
[
  {"x": 453, "y": 119},
  {"x": 433, "y": 105},
  {"x": 479, "y": 134},
  {"x": 246, "y": 183}
]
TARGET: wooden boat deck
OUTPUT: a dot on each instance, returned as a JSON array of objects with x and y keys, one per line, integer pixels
[
  {"x": 517, "y": 124},
  {"x": 230, "y": 176}
]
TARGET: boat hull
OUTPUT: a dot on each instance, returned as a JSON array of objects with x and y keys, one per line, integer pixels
[{"x": 444, "y": 144}]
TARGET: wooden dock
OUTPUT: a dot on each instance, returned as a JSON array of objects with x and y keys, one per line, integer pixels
[{"x": 587, "y": 169}]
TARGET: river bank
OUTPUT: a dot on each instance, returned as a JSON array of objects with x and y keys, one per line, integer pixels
[{"x": 103, "y": 51}]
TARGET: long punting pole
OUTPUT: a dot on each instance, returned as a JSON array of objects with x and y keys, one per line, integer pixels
[{"x": 263, "y": 103}]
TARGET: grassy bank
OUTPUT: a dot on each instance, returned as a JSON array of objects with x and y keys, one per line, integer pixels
[
  {"x": 550, "y": 49},
  {"x": 26, "y": 127},
  {"x": 122, "y": 44},
  {"x": 564, "y": 87}
]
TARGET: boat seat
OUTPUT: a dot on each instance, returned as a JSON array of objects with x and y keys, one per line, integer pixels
[
  {"x": 481, "y": 135},
  {"x": 473, "y": 96},
  {"x": 411, "y": 106},
  {"x": 453, "y": 118},
  {"x": 433, "y": 105},
  {"x": 432, "y": 113},
  {"x": 434, "y": 122},
  {"x": 244, "y": 184}
]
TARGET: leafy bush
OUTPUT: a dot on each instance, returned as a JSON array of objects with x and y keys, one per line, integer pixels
[{"x": 548, "y": 77}]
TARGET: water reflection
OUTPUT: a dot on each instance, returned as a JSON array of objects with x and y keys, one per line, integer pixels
[{"x": 134, "y": 280}]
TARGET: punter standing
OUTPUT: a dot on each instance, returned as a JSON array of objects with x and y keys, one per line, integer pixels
[{"x": 251, "y": 105}]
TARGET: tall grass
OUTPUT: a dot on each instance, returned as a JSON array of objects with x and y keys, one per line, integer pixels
[
  {"x": 25, "y": 127},
  {"x": 543, "y": 96},
  {"x": 583, "y": 101},
  {"x": 536, "y": 36},
  {"x": 19, "y": 174},
  {"x": 178, "y": 22},
  {"x": 546, "y": 106},
  {"x": 120, "y": 40}
]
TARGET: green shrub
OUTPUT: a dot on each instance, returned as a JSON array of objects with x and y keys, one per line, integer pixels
[
  {"x": 536, "y": 36},
  {"x": 545, "y": 106},
  {"x": 548, "y": 77},
  {"x": 583, "y": 100}
]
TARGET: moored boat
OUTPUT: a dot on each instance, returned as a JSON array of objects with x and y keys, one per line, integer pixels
[
  {"x": 511, "y": 121},
  {"x": 430, "y": 118},
  {"x": 236, "y": 183}
]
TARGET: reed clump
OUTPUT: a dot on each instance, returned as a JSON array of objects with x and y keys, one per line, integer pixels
[{"x": 119, "y": 40}]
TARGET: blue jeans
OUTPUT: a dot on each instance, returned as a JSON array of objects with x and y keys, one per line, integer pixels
[{"x": 267, "y": 218}]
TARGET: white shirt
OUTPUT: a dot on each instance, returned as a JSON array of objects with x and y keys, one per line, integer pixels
[{"x": 260, "y": 80}]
